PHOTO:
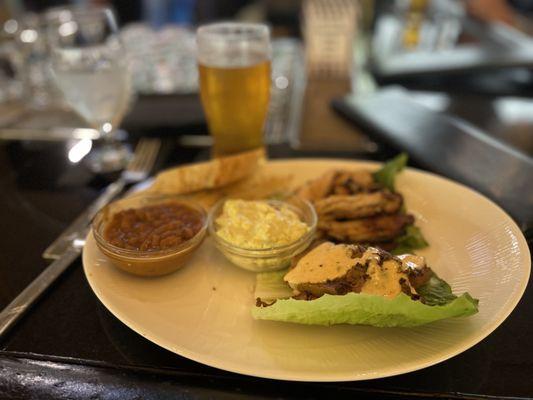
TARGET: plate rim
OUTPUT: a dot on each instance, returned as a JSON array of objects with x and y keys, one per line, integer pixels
[{"x": 339, "y": 377}]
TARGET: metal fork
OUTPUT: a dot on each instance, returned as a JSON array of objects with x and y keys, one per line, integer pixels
[
  {"x": 137, "y": 170},
  {"x": 72, "y": 240}
]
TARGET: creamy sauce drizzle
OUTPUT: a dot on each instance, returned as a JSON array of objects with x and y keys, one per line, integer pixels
[
  {"x": 325, "y": 262},
  {"x": 329, "y": 261},
  {"x": 384, "y": 280}
]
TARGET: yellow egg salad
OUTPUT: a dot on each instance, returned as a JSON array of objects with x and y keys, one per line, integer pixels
[{"x": 259, "y": 225}]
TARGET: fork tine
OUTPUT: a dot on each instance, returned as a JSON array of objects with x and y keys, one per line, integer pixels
[
  {"x": 140, "y": 152},
  {"x": 142, "y": 155},
  {"x": 151, "y": 155},
  {"x": 135, "y": 159},
  {"x": 145, "y": 155}
]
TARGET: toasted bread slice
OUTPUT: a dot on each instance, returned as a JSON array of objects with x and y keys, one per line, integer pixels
[{"x": 212, "y": 174}]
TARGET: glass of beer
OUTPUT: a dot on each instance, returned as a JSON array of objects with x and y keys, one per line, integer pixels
[{"x": 234, "y": 65}]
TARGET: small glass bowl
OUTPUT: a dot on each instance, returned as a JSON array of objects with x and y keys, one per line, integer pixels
[
  {"x": 270, "y": 259},
  {"x": 140, "y": 262}
]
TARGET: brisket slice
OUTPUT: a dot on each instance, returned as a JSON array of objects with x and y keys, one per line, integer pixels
[{"x": 353, "y": 281}]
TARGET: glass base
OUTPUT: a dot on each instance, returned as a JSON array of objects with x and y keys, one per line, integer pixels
[{"x": 110, "y": 157}]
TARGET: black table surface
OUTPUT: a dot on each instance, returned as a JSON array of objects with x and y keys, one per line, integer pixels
[{"x": 69, "y": 346}]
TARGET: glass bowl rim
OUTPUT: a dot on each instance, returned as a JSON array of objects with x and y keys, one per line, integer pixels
[
  {"x": 269, "y": 251},
  {"x": 138, "y": 254}
]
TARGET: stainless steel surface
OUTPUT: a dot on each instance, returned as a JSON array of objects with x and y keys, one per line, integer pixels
[
  {"x": 16, "y": 309},
  {"x": 496, "y": 46},
  {"x": 138, "y": 169},
  {"x": 18, "y": 122},
  {"x": 459, "y": 60},
  {"x": 55, "y": 134}
]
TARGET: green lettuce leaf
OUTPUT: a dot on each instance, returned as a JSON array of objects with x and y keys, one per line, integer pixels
[
  {"x": 436, "y": 292},
  {"x": 413, "y": 238},
  {"x": 364, "y": 309},
  {"x": 410, "y": 241},
  {"x": 359, "y": 308},
  {"x": 271, "y": 286},
  {"x": 387, "y": 174}
]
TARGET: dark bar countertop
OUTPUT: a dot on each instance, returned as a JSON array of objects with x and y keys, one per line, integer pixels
[{"x": 70, "y": 347}]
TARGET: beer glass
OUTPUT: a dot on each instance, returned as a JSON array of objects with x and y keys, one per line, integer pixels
[{"x": 234, "y": 67}]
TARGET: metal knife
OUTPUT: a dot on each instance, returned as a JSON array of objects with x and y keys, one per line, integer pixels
[{"x": 68, "y": 246}]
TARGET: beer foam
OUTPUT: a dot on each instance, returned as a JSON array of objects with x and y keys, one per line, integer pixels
[
  {"x": 233, "y": 58},
  {"x": 233, "y": 45}
]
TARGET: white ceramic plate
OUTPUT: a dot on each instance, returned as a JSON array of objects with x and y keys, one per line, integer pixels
[{"x": 202, "y": 312}]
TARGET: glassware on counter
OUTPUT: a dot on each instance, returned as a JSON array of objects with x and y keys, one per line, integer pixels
[
  {"x": 234, "y": 67},
  {"x": 10, "y": 62},
  {"x": 39, "y": 90},
  {"x": 91, "y": 68},
  {"x": 172, "y": 53}
]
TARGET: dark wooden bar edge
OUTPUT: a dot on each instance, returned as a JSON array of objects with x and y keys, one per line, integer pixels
[{"x": 34, "y": 376}]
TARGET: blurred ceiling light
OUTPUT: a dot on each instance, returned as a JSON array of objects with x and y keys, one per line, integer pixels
[
  {"x": 64, "y": 15},
  {"x": 28, "y": 35},
  {"x": 80, "y": 150},
  {"x": 434, "y": 101},
  {"x": 11, "y": 26},
  {"x": 107, "y": 127},
  {"x": 68, "y": 28},
  {"x": 281, "y": 82},
  {"x": 512, "y": 110}
]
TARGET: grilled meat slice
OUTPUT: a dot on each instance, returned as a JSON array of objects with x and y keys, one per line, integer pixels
[
  {"x": 417, "y": 270},
  {"x": 317, "y": 188},
  {"x": 353, "y": 281},
  {"x": 389, "y": 245},
  {"x": 315, "y": 243},
  {"x": 337, "y": 182},
  {"x": 419, "y": 277},
  {"x": 367, "y": 230},
  {"x": 407, "y": 289},
  {"x": 261, "y": 303},
  {"x": 341, "y": 269},
  {"x": 305, "y": 296},
  {"x": 358, "y": 205},
  {"x": 352, "y": 182}
]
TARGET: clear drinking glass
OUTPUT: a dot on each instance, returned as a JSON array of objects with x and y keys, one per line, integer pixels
[
  {"x": 91, "y": 68},
  {"x": 234, "y": 67}
]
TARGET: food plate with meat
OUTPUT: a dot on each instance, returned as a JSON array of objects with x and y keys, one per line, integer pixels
[{"x": 204, "y": 310}]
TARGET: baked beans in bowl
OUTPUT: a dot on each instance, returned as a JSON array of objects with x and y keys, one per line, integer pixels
[{"x": 150, "y": 235}]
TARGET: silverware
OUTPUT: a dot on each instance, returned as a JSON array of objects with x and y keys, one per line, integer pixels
[
  {"x": 68, "y": 246},
  {"x": 138, "y": 169},
  {"x": 34, "y": 290}
]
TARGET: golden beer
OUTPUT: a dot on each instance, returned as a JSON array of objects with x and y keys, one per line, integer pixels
[
  {"x": 234, "y": 66},
  {"x": 235, "y": 101}
]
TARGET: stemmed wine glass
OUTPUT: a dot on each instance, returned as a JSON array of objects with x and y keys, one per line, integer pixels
[{"x": 91, "y": 68}]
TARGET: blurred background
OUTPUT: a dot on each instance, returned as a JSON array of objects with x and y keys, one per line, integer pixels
[{"x": 468, "y": 60}]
